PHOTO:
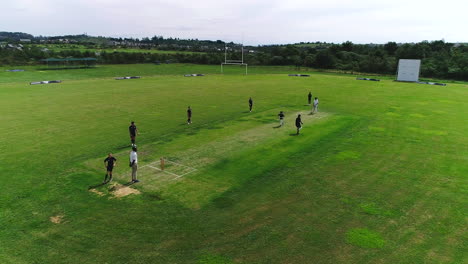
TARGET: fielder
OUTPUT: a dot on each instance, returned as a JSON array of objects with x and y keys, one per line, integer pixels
[
  {"x": 132, "y": 129},
  {"x": 189, "y": 115},
  {"x": 134, "y": 164},
  {"x": 298, "y": 124},
  {"x": 316, "y": 103},
  {"x": 281, "y": 118},
  {"x": 110, "y": 162}
]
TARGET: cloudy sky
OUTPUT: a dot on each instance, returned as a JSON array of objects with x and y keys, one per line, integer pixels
[{"x": 250, "y": 21}]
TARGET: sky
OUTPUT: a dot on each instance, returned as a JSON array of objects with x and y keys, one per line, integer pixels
[{"x": 252, "y": 22}]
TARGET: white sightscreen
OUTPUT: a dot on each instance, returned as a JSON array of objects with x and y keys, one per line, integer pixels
[{"x": 408, "y": 70}]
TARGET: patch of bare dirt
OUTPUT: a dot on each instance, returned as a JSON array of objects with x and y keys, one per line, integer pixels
[
  {"x": 119, "y": 190},
  {"x": 99, "y": 193},
  {"x": 56, "y": 219}
]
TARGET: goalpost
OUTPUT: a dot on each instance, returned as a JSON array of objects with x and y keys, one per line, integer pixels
[{"x": 234, "y": 62}]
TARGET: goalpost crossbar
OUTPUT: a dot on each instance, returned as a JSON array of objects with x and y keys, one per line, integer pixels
[{"x": 235, "y": 63}]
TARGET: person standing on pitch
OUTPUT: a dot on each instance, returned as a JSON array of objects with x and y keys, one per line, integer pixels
[
  {"x": 316, "y": 103},
  {"x": 189, "y": 115},
  {"x": 309, "y": 97},
  {"x": 250, "y": 104},
  {"x": 134, "y": 164},
  {"x": 133, "y": 132},
  {"x": 298, "y": 124},
  {"x": 110, "y": 162},
  {"x": 281, "y": 118}
]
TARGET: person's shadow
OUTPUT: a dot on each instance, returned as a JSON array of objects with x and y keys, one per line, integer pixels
[
  {"x": 124, "y": 146},
  {"x": 97, "y": 185},
  {"x": 277, "y": 126},
  {"x": 294, "y": 134},
  {"x": 129, "y": 183}
]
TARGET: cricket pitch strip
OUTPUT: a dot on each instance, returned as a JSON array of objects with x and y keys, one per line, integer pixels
[{"x": 170, "y": 171}]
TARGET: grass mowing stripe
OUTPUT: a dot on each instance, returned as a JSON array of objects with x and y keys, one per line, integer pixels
[{"x": 404, "y": 154}]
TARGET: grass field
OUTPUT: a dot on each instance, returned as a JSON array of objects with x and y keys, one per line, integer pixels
[{"x": 379, "y": 175}]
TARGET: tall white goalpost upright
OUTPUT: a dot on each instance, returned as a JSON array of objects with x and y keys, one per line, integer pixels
[{"x": 234, "y": 62}]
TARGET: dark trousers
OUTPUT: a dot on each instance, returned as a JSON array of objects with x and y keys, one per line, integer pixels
[{"x": 108, "y": 173}]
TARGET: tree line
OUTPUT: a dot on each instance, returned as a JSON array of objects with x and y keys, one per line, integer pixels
[{"x": 439, "y": 59}]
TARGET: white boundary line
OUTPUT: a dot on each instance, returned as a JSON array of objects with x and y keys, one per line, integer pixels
[
  {"x": 183, "y": 175},
  {"x": 180, "y": 164},
  {"x": 177, "y": 176}
]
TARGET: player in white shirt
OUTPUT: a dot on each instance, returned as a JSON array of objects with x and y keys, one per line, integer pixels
[
  {"x": 134, "y": 164},
  {"x": 316, "y": 103}
]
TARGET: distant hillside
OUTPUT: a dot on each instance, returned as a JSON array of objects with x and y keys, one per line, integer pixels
[
  {"x": 157, "y": 42},
  {"x": 14, "y": 36},
  {"x": 439, "y": 59}
]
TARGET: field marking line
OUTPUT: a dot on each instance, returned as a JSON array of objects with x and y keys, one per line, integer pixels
[
  {"x": 164, "y": 171},
  {"x": 179, "y": 164},
  {"x": 154, "y": 168},
  {"x": 168, "y": 179},
  {"x": 183, "y": 174},
  {"x": 161, "y": 175},
  {"x": 150, "y": 165},
  {"x": 176, "y": 175}
]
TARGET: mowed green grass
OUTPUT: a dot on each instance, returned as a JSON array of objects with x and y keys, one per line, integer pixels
[
  {"x": 40, "y": 73},
  {"x": 378, "y": 176}
]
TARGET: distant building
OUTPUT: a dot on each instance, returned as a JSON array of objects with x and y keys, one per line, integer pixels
[
  {"x": 25, "y": 40},
  {"x": 460, "y": 44},
  {"x": 12, "y": 46}
]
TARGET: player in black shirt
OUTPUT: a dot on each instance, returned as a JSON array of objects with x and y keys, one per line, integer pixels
[
  {"x": 189, "y": 115},
  {"x": 309, "y": 98},
  {"x": 133, "y": 132},
  {"x": 250, "y": 104},
  {"x": 281, "y": 118},
  {"x": 298, "y": 123},
  {"x": 109, "y": 162}
]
